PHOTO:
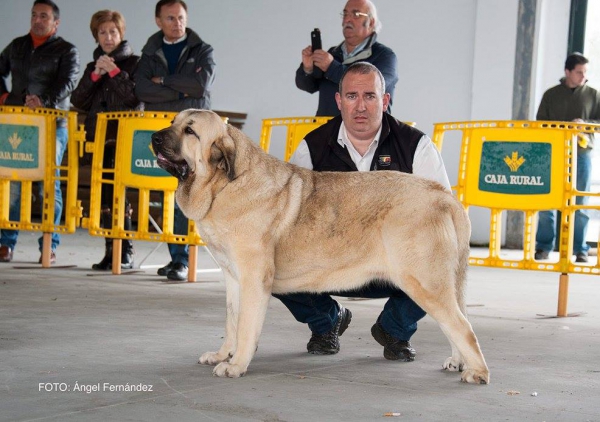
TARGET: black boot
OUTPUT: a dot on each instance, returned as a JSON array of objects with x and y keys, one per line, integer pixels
[
  {"x": 105, "y": 222},
  {"x": 106, "y": 263},
  {"x": 127, "y": 249}
]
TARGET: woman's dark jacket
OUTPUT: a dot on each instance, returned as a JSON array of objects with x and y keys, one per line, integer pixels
[{"x": 107, "y": 94}]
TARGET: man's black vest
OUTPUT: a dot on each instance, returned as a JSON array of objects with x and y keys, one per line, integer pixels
[{"x": 395, "y": 150}]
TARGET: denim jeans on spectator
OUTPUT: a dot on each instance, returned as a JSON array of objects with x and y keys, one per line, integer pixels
[
  {"x": 180, "y": 254},
  {"x": 545, "y": 238},
  {"x": 9, "y": 237}
]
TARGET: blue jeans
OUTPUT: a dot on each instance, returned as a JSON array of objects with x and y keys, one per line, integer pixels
[
  {"x": 546, "y": 231},
  {"x": 180, "y": 254},
  {"x": 9, "y": 237},
  {"x": 399, "y": 316}
]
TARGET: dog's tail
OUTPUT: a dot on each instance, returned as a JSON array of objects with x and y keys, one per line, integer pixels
[{"x": 462, "y": 227}]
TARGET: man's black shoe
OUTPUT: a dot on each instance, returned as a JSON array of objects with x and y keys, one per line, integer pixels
[
  {"x": 581, "y": 257},
  {"x": 329, "y": 343},
  {"x": 178, "y": 272},
  {"x": 164, "y": 270},
  {"x": 541, "y": 255},
  {"x": 393, "y": 349}
]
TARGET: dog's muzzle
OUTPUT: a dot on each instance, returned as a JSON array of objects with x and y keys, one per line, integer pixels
[{"x": 178, "y": 168}]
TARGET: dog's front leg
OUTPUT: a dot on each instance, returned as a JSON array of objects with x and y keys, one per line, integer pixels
[
  {"x": 232, "y": 293},
  {"x": 255, "y": 292}
]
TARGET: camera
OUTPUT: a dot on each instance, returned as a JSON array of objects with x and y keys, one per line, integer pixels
[{"x": 315, "y": 39}]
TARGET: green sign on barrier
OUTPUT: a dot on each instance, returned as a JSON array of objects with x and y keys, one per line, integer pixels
[
  {"x": 143, "y": 160},
  {"x": 19, "y": 146},
  {"x": 519, "y": 168}
]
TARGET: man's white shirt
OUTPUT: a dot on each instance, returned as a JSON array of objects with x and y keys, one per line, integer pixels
[{"x": 427, "y": 162}]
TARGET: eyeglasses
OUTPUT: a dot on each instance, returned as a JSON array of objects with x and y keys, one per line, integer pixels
[{"x": 354, "y": 15}]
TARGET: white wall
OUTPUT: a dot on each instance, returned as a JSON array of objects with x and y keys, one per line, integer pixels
[
  {"x": 456, "y": 57},
  {"x": 493, "y": 76},
  {"x": 551, "y": 47}
]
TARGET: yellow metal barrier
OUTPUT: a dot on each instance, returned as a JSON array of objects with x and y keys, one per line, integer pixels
[
  {"x": 28, "y": 155},
  {"x": 527, "y": 166},
  {"x": 297, "y": 129},
  {"x": 136, "y": 168}
]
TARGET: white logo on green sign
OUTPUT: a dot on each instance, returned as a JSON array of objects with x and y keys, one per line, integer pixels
[
  {"x": 519, "y": 168},
  {"x": 19, "y": 146},
  {"x": 143, "y": 159}
]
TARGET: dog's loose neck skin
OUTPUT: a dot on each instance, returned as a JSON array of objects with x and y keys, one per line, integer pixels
[{"x": 207, "y": 199}]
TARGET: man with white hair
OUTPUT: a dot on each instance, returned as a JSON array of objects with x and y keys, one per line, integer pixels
[{"x": 322, "y": 70}]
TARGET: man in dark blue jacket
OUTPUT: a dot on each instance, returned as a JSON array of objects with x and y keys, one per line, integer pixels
[
  {"x": 322, "y": 70},
  {"x": 43, "y": 69},
  {"x": 176, "y": 72}
]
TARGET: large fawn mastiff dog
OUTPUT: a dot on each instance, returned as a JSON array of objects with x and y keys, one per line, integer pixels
[{"x": 277, "y": 228}]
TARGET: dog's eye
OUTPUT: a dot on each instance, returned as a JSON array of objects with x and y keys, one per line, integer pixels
[{"x": 189, "y": 131}]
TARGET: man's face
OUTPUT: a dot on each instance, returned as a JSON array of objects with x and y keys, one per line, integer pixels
[
  {"x": 576, "y": 77},
  {"x": 42, "y": 20},
  {"x": 356, "y": 29},
  {"x": 172, "y": 21},
  {"x": 362, "y": 104}
]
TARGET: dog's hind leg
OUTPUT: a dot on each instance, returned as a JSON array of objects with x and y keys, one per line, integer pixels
[
  {"x": 463, "y": 340},
  {"x": 232, "y": 293},
  {"x": 440, "y": 303},
  {"x": 255, "y": 291}
]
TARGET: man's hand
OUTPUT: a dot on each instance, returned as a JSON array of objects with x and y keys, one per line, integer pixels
[
  {"x": 582, "y": 139},
  {"x": 322, "y": 59},
  {"x": 33, "y": 101},
  {"x": 307, "y": 59},
  {"x": 157, "y": 80}
]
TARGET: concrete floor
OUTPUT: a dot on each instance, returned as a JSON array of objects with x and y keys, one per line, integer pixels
[{"x": 68, "y": 328}]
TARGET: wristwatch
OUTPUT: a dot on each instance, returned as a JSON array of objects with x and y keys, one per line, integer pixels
[{"x": 162, "y": 80}]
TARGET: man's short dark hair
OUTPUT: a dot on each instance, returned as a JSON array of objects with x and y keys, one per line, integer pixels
[
  {"x": 162, "y": 3},
  {"x": 575, "y": 59},
  {"x": 362, "y": 68},
  {"x": 55, "y": 9}
]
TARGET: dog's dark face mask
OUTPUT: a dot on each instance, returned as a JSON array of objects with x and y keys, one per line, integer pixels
[{"x": 168, "y": 150}]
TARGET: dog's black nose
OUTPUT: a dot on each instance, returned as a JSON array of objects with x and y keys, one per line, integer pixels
[{"x": 157, "y": 138}]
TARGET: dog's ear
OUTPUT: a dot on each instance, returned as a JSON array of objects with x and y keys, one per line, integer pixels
[{"x": 222, "y": 153}]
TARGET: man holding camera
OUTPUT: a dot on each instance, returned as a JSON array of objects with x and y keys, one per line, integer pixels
[{"x": 322, "y": 70}]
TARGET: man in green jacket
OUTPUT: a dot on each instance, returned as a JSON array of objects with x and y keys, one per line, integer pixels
[{"x": 571, "y": 100}]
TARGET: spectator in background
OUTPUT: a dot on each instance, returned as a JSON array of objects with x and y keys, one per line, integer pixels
[
  {"x": 571, "y": 100},
  {"x": 43, "y": 69},
  {"x": 322, "y": 70},
  {"x": 176, "y": 72},
  {"x": 107, "y": 85}
]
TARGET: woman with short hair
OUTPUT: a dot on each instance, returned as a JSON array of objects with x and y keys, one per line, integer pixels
[{"x": 107, "y": 85}]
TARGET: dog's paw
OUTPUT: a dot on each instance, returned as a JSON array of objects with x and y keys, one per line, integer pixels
[
  {"x": 453, "y": 365},
  {"x": 226, "y": 369},
  {"x": 475, "y": 377},
  {"x": 212, "y": 358}
]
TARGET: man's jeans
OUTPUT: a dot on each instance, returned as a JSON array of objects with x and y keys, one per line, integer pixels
[
  {"x": 546, "y": 231},
  {"x": 399, "y": 316},
  {"x": 180, "y": 254},
  {"x": 9, "y": 237}
]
